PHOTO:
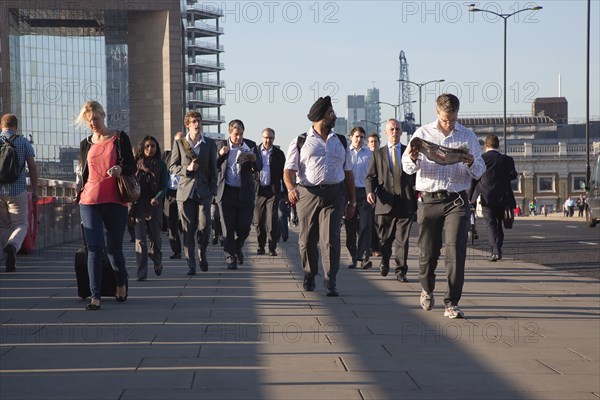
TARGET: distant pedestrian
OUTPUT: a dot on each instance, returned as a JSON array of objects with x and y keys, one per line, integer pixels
[
  {"x": 194, "y": 159},
  {"x": 154, "y": 179},
  {"x": 358, "y": 228},
  {"x": 392, "y": 192},
  {"x": 170, "y": 208},
  {"x": 531, "y": 208},
  {"x": 238, "y": 160},
  {"x": 444, "y": 206},
  {"x": 14, "y": 202},
  {"x": 373, "y": 142},
  {"x": 495, "y": 189},
  {"x": 318, "y": 176},
  {"x": 269, "y": 183}
]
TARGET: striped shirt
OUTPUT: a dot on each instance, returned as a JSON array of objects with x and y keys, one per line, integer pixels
[
  {"x": 433, "y": 177},
  {"x": 24, "y": 150}
]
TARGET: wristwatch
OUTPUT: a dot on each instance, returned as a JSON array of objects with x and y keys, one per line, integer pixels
[{"x": 352, "y": 203}]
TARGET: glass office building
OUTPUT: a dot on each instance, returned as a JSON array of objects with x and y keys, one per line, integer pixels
[{"x": 57, "y": 55}]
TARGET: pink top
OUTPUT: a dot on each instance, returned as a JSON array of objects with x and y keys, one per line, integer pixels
[{"x": 101, "y": 187}]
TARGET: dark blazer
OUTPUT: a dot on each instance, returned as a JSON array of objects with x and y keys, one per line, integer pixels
[
  {"x": 381, "y": 182},
  {"x": 494, "y": 185},
  {"x": 248, "y": 169},
  {"x": 276, "y": 164},
  {"x": 204, "y": 179}
]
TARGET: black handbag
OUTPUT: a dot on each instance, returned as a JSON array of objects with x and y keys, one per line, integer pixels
[{"x": 129, "y": 186}]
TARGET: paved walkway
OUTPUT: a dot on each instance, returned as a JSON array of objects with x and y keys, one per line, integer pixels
[{"x": 531, "y": 332}]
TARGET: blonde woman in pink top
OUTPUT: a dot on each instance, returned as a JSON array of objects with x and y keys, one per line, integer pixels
[{"x": 102, "y": 211}]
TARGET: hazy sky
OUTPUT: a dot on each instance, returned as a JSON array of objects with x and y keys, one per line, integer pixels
[{"x": 280, "y": 56}]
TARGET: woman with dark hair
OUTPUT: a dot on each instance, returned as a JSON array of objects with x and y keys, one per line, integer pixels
[
  {"x": 147, "y": 211},
  {"x": 103, "y": 157}
]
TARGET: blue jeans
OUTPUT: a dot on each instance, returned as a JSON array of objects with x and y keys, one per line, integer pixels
[{"x": 95, "y": 219}]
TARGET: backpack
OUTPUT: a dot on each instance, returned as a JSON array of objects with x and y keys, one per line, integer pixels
[
  {"x": 9, "y": 161},
  {"x": 302, "y": 138}
]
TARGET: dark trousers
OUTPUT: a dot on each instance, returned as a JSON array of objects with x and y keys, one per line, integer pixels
[
  {"x": 215, "y": 217},
  {"x": 394, "y": 231},
  {"x": 236, "y": 219},
  {"x": 195, "y": 220},
  {"x": 436, "y": 215},
  {"x": 284, "y": 216},
  {"x": 266, "y": 217},
  {"x": 171, "y": 211},
  {"x": 320, "y": 212},
  {"x": 100, "y": 220},
  {"x": 358, "y": 228},
  {"x": 493, "y": 222}
]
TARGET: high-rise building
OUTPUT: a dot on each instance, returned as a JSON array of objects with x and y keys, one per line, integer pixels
[
  {"x": 203, "y": 64},
  {"x": 356, "y": 112},
  {"x": 147, "y": 62},
  {"x": 373, "y": 111},
  {"x": 341, "y": 126}
]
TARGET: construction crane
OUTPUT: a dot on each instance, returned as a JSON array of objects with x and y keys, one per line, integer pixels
[{"x": 404, "y": 100}]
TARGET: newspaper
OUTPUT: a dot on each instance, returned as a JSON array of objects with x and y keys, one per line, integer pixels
[
  {"x": 242, "y": 156},
  {"x": 439, "y": 154}
]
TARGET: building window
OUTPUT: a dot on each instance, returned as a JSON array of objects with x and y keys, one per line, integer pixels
[
  {"x": 578, "y": 183},
  {"x": 546, "y": 184},
  {"x": 516, "y": 184}
]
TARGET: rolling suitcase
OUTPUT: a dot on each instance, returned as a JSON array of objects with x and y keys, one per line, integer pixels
[{"x": 109, "y": 281}]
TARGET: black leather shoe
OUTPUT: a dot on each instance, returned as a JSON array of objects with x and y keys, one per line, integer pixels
[
  {"x": 260, "y": 251},
  {"x": 175, "y": 256},
  {"x": 191, "y": 272},
  {"x": 493, "y": 258},
  {"x": 203, "y": 265},
  {"x": 401, "y": 278},
  {"x": 384, "y": 268},
  {"x": 232, "y": 265},
  {"x": 215, "y": 240},
  {"x": 332, "y": 292},
  {"x": 366, "y": 264},
  {"x": 309, "y": 283},
  {"x": 240, "y": 258},
  {"x": 273, "y": 253},
  {"x": 353, "y": 265},
  {"x": 10, "y": 257}
]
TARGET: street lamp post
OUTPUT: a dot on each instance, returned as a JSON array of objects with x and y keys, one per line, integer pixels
[
  {"x": 505, "y": 17},
  {"x": 420, "y": 86},
  {"x": 371, "y": 122},
  {"x": 396, "y": 106}
]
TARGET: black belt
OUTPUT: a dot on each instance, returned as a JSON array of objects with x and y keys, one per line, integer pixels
[
  {"x": 442, "y": 194},
  {"x": 265, "y": 187},
  {"x": 321, "y": 186}
]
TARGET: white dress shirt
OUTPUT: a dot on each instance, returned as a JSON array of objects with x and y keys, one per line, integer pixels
[
  {"x": 320, "y": 162},
  {"x": 433, "y": 177},
  {"x": 361, "y": 161}
]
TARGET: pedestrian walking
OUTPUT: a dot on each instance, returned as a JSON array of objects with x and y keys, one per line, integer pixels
[
  {"x": 14, "y": 202},
  {"x": 444, "y": 205},
  {"x": 318, "y": 176}
]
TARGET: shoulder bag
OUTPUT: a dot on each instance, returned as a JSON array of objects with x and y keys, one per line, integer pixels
[{"x": 129, "y": 186}]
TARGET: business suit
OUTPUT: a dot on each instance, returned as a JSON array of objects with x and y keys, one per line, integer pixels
[
  {"x": 194, "y": 194},
  {"x": 496, "y": 193},
  {"x": 267, "y": 199},
  {"x": 394, "y": 213},
  {"x": 236, "y": 204},
  {"x": 171, "y": 210}
]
